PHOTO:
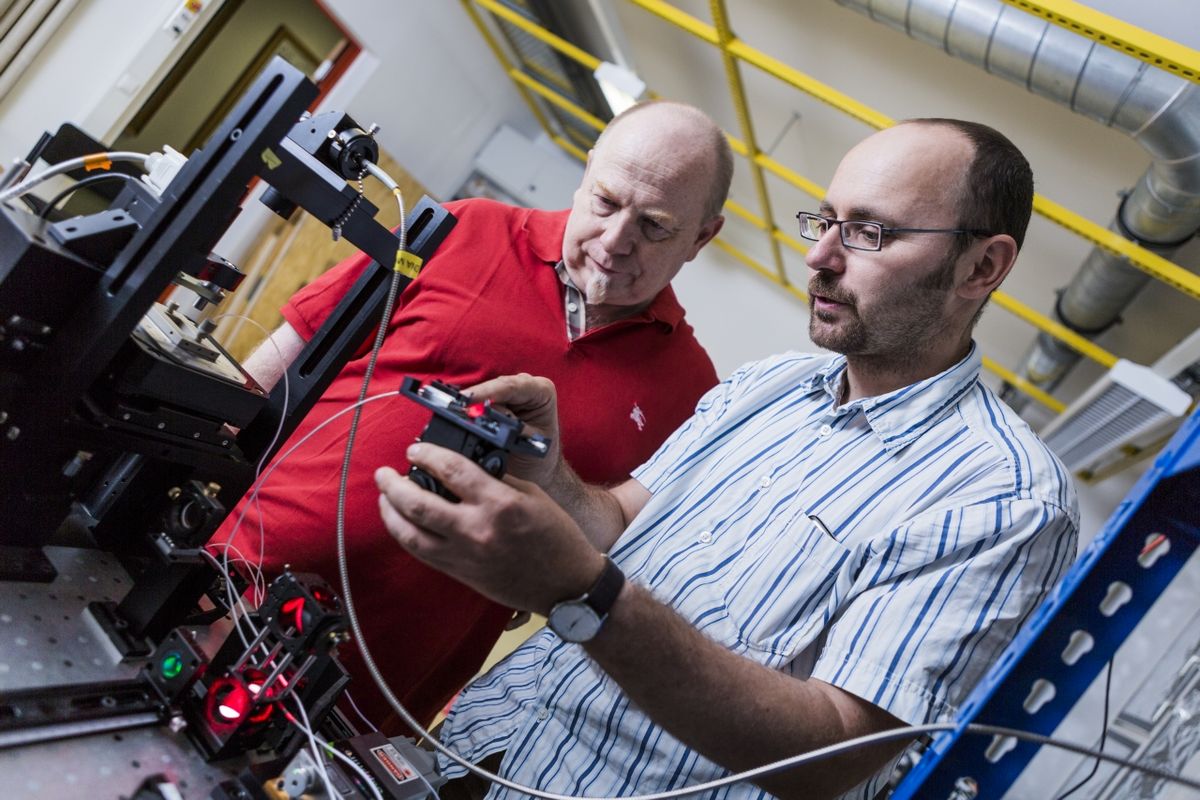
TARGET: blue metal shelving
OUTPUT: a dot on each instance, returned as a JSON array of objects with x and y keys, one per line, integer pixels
[{"x": 1165, "y": 501}]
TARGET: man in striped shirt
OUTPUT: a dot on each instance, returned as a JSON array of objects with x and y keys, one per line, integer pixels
[{"x": 832, "y": 546}]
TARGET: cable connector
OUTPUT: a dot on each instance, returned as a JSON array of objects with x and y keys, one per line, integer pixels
[{"x": 161, "y": 168}]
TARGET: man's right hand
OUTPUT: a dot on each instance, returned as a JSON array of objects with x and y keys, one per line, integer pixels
[{"x": 535, "y": 402}]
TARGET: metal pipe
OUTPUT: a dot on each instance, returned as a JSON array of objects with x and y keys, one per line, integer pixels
[{"x": 1159, "y": 110}]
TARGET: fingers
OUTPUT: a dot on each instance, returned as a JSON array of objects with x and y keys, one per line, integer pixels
[
  {"x": 420, "y": 543},
  {"x": 521, "y": 393}
]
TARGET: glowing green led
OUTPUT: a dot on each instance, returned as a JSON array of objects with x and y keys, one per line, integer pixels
[{"x": 171, "y": 665}]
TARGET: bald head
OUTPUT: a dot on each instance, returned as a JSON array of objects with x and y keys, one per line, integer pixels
[
  {"x": 687, "y": 133},
  {"x": 995, "y": 191}
]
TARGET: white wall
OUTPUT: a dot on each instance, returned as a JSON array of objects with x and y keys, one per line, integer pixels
[
  {"x": 438, "y": 92},
  {"x": 80, "y": 63}
]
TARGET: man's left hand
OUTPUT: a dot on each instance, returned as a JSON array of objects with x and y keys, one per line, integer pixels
[{"x": 505, "y": 539}]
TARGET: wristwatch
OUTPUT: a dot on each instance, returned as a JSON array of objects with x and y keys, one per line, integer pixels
[{"x": 580, "y": 619}]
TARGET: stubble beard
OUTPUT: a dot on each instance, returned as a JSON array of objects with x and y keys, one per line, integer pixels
[{"x": 898, "y": 336}]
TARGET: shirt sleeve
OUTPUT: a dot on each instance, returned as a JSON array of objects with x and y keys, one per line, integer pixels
[
  {"x": 933, "y": 609},
  {"x": 309, "y": 307}
]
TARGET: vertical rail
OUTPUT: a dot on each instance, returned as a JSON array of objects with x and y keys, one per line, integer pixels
[
  {"x": 734, "y": 75},
  {"x": 498, "y": 52}
]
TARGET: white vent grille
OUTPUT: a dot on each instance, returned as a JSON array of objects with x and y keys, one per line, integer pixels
[
  {"x": 1129, "y": 401},
  {"x": 25, "y": 28}
]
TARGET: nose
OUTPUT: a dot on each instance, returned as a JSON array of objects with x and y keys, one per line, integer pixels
[
  {"x": 828, "y": 252},
  {"x": 620, "y": 232}
]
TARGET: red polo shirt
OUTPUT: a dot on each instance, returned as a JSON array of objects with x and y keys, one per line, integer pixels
[{"x": 488, "y": 303}]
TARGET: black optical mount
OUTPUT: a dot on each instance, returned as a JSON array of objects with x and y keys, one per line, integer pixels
[{"x": 478, "y": 431}]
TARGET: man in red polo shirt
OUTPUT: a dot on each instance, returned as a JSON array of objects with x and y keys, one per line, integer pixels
[{"x": 581, "y": 296}]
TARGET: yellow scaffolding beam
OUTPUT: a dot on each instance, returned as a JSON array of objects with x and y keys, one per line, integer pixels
[
  {"x": 1070, "y": 338},
  {"x": 541, "y": 34},
  {"x": 1025, "y": 386},
  {"x": 498, "y": 52},
  {"x": 734, "y": 76},
  {"x": 1111, "y": 32},
  {"x": 1147, "y": 261}
]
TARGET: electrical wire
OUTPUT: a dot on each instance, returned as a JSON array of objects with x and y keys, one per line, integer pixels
[
  {"x": 318, "y": 757},
  {"x": 287, "y": 453},
  {"x": 269, "y": 448},
  {"x": 82, "y": 183},
  {"x": 371, "y": 726},
  {"x": 93, "y": 161},
  {"x": 1103, "y": 734}
]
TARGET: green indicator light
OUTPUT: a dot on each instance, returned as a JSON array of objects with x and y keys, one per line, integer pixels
[{"x": 171, "y": 665}]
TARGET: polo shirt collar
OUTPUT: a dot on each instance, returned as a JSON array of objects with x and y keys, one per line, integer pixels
[
  {"x": 902, "y": 416},
  {"x": 545, "y": 230}
]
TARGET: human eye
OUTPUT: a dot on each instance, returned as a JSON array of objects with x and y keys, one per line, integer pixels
[
  {"x": 603, "y": 204},
  {"x": 813, "y": 226},
  {"x": 864, "y": 234},
  {"x": 654, "y": 231}
]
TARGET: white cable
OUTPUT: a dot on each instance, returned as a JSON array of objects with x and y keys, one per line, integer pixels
[
  {"x": 234, "y": 601},
  {"x": 387, "y": 181},
  {"x": 318, "y": 756},
  {"x": 66, "y": 166},
  {"x": 284, "y": 456},
  {"x": 258, "y": 596},
  {"x": 370, "y": 725}
]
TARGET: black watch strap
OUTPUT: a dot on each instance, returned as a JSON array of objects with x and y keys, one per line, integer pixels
[{"x": 604, "y": 591}]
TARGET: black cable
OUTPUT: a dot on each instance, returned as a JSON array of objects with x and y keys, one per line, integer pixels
[
  {"x": 80, "y": 184},
  {"x": 1103, "y": 735}
]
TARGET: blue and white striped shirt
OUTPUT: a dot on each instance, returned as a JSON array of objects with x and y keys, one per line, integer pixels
[{"x": 891, "y": 547}]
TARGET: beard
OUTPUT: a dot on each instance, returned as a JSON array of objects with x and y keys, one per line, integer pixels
[
  {"x": 899, "y": 324},
  {"x": 596, "y": 290}
]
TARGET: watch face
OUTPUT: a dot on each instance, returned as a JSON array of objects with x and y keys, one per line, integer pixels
[{"x": 574, "y": 621}]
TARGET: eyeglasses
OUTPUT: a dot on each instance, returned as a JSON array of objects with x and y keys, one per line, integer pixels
[{"x": 863, "y": 235}]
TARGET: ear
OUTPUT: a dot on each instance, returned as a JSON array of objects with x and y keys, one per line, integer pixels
[
  {"x": 990, "y": 263},
  {"x": 707, "y": 233}
]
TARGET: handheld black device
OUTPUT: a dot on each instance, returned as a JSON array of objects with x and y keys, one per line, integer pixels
[{"x": 480, "y": 432}]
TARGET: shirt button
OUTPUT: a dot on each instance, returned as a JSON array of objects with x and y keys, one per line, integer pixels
[
  {"x": 705, "y": 536},
  {"x": 543, "y": 713},
  {"x": 572, "y": 307},
  {"x": 824, "y": 431},
  {"x": 764, "y": 481}
]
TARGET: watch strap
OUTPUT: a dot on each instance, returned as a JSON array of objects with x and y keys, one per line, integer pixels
[{"x": 604, "y": 591}]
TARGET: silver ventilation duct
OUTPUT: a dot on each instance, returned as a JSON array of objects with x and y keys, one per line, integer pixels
[{"x": 1159, "y": 110}]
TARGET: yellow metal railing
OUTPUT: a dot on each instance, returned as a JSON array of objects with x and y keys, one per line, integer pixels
[
  {"x": 734, "y": 50},
  {"x": 734, "y": 75}
]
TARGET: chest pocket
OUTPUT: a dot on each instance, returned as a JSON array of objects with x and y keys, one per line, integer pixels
[{"x": 788, "y": 584}]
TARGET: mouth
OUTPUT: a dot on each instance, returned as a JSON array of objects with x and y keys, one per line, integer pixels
[
  {"x": 604, "y": 267},
  {"x": 822, "y": 302}
]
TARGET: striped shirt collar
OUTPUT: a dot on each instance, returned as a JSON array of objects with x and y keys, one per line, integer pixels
[
  {"x": 901, "y": 416},
  {"x": 573, "y": 304}
]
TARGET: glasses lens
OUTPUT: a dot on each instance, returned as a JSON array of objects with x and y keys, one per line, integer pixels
[
  {"x": 812, "y": 227},
  {"x": 862, "y": 235}
]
